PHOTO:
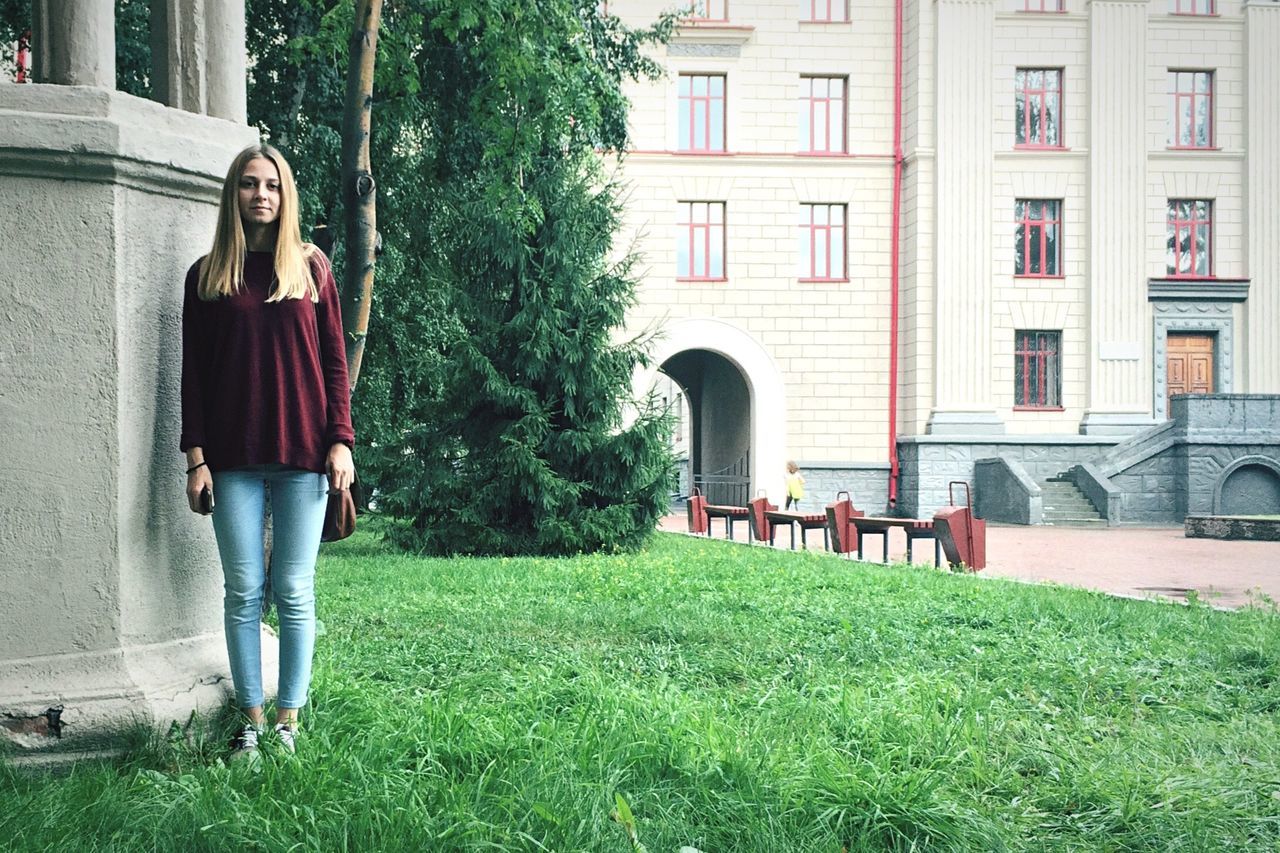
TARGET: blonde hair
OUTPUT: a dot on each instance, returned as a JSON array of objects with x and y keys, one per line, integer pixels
[{"x": 222, "y": 270}]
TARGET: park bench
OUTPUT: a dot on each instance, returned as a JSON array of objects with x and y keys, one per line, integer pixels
[
  {"x": 806, "y": 520},
  {"x": 700, "y": 515},
  {"x": 915, "y": 528}
]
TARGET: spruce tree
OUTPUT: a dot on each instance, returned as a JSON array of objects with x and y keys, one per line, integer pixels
[{"x": 524, "y": 443}]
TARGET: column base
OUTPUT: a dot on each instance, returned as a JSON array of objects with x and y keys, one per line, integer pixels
[
  {"x": 108, "y": 695},
  {"x": 964, "y": 422},
  {"x": 1115, "y": 423}
]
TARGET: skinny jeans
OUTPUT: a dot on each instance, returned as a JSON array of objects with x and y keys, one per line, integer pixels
[{"x": 298, "y": 500}]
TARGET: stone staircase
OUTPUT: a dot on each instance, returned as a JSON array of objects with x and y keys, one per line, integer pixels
[{"x": 1066, "y": 506}]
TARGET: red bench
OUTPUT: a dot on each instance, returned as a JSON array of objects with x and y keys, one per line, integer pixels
[
  {"x": 807, "y": 521},
  {"x": 915, "y": 528}
]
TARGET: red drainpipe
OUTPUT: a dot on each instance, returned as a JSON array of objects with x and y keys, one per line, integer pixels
[
  {"x": 23, "y": 57},
  {"x": 893, "y": 261}
]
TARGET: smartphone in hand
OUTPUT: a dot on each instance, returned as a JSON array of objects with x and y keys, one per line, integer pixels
[{"x": 206, "y": 501}]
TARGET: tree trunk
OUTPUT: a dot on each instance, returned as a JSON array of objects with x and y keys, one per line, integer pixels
[{"x": 358, "y": 194}]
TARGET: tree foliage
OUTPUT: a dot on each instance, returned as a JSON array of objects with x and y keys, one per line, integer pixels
[{"x": 522, "y": 445}]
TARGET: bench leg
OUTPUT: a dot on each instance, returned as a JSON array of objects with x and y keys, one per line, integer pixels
[
  {"x": 792, "y": 525},
  {"x": 826, "y": 541},
  {"x": 859, "y": 545},
  {"x": 885, "y": 536},
  {"x": 908, "y": 549},
  {"x": 937, "y": 554}
]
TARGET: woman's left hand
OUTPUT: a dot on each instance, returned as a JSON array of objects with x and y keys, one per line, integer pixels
[{"x": 342, "y": 470}]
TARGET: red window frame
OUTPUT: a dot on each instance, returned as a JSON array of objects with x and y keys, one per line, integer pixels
[
  {"x": 1191, "y": 97},
  {"x": 711, "y": 104},
  {"x": 1194, "y": 7},
  {"x": 1186, "y": 217},
  {"x": 700, "y": 224},
  {"x": 1037, "y": 369},
  {"x": 826, "y": 11},
  {"x": 832, "y": 109},
  {"x": 705, "y": 11},
  {"x": 818, "y": 227},
  {"x": 1037, "y": 238},
  {"x": 1044, "y": 6},
  {"x": 1038, "y": 95}
]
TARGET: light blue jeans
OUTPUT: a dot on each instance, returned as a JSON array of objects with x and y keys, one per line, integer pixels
[{"x": 298, "y": 501}]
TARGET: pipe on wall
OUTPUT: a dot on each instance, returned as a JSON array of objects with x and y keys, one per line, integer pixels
[{"x": 896, "y": 226}]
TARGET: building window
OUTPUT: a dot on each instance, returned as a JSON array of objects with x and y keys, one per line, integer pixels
[
  {"x": 822, "y": 242},
  {"x": 710, "y": 10},
  {"x": 1037, "y": 370},
  {"x": 1189, "y": 249},
  {"x": 828, "y": 11},
  {"x": 1194, "y": 7},
  {"x": 1044, "y": 6},
  {"x": 1038, "y": 239},
  {"x": 1191, "y": 117},
  {"x": 701, "y": 122},
  {"x": 822, "y": 117},
  {"x": 700, "y": 241},
  {"x": 1038, "y": 98}
]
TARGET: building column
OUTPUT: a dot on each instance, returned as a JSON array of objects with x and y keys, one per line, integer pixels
[
  {"x": 75, "y": 42},
  {"x": 1262, "y": 118},
  {"x": 178, "y": 52},
  {"x": 1120, "y": 369},
  {"x": 225, "y": 60},
  {"x": 963, "y": 398}
]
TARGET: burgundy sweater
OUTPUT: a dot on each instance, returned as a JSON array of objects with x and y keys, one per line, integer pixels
[{"x": 264, "y": 382}]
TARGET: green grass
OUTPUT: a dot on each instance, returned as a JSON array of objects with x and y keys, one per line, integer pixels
[{"x": 736, "y": 699}]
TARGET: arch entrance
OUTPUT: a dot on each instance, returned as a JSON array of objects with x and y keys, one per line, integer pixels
[
  {"x": 719, "y": 406},
  {"x": 736, "y": 407}
]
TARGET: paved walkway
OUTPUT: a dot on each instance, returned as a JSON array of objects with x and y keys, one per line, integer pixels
[{"x": 1139, "y": 562}]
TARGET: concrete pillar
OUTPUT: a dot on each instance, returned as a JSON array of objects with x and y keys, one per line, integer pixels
[
  {"x": 74, "y": 42},
  {"x": 1262, "y": 224},
  {"x": 963, "y": 398},
  {"x": 225, "y": 59},
  {"x": 179, "y": 53},
  {"x": 111, "y": 604},
  {"x": 1120, "y": 369}
]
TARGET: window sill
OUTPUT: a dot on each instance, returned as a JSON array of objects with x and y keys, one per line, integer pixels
[
  {"x": 822, "y": 154},
  {"x": 1192, "y": 148},
  {"x": 821, "y": 23},
  {"x": 691, "y": 152},
  {"x": 1039, "y": 409},
  {"x": 1041, "y": 11},
  {"x": 822, "y": 281},
  {"x": 1018, "y": 147},
  {"x": 711, "y": 32},
  {"x": 1195, "y": 14},
  {"x": 701, "y": 280},
  {"x": 1034, "y": 277}
]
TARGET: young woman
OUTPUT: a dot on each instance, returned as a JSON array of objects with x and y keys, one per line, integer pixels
[{"x": 265, "y": 406}]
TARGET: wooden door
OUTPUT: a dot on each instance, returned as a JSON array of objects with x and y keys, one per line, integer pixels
[{"x": 1190, "y": 366}]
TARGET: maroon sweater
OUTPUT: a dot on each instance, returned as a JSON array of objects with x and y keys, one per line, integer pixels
[{"x": 264, "y": 382}]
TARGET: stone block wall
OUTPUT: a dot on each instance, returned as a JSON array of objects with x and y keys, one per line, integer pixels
[{"x": 928, "y": 464}]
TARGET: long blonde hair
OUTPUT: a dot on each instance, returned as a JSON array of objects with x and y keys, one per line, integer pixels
[{"x": 222, "y": 270}]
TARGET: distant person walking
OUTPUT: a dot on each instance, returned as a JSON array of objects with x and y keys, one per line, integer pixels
[
  {"x": 265, "y": 403},
  {"x": 795, "y": 486}
]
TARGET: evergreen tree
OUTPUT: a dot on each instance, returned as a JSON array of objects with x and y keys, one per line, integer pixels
[{"x": 522, "y": 447}]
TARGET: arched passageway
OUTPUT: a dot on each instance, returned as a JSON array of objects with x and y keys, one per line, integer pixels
[
  {"x": 736, "y": 402},
  {"x": 719, "y": 405}
]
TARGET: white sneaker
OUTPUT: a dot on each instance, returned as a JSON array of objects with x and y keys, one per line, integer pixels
[
  {"x": 287, "y": 735},
  {"x": 244, "y": 746}
]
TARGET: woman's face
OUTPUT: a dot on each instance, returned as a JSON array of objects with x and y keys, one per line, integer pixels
[{"x": 259, "y": 192}]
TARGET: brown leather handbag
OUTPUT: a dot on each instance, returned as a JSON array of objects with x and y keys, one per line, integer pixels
[{"x": 339, "y": 516}]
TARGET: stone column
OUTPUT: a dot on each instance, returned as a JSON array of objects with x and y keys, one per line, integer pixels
[
  {"x": 1262, "y": 224},
  {"x": 225, "y": 59},
  {"x": 74, "y": 42},
  {"x": 963, "y": 400},
  {"x": 179, "y": 53},
  {"x": 110, "y": 588},
  {"x": 1120, "y": 373}
]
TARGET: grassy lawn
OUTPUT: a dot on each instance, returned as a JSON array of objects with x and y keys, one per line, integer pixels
[{"x": 737, "y": 699}]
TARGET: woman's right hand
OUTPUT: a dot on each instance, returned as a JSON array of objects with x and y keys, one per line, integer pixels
[{"x": 197, "y": 481}]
